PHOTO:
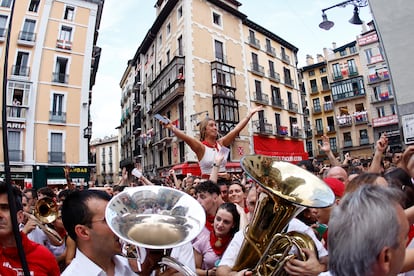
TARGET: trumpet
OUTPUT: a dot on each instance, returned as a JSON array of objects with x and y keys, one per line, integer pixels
[{"x": 46, "y": 211}]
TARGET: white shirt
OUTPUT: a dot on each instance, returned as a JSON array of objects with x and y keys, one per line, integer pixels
[
  {"x": 232, "y": 251},
  {"x": 83, "y": 266}
]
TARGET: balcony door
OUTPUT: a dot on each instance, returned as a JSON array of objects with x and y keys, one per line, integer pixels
[{"x": 15, "y": 153}]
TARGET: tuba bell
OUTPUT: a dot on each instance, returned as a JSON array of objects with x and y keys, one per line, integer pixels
[
  {"x": 156, "y": 217},
  {"x": 289, "y": 189}
]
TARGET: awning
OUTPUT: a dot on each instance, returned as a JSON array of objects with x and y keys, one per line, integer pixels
[
  {"x": 187, "y": 168},
  {"x": 194, "y": 168},
  {"x": 287, "y": 150}
]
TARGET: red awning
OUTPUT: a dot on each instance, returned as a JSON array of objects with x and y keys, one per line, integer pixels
[
  {"x": 186, "y": 168},
  {"x": 194, "y": 168},
  {"x": 287, "y": 150}
]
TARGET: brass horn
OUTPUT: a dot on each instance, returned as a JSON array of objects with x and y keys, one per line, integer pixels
[
  {"x": 289, "y": 189},
  {"x": 156, "y": 217},
  {"x": 46, "y": 211}
]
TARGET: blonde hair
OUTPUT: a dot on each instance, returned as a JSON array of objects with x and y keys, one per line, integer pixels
[{"x": 202, "y": 126}]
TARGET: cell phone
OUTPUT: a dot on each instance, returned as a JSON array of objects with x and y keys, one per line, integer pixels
[{"x": 161, "y": 119}]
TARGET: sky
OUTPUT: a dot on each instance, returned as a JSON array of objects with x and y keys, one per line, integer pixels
[{"x": 123, "y": 27}]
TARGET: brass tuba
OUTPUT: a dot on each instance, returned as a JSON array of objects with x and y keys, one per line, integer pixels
[
  {"x": 156, "y": 217},
  {"x": 289, "y": 189}
]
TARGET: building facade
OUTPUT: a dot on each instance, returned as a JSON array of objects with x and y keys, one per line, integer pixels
[
  {"x": 52, "y": 62},
  {"x": 106, "y": 153},
  {"x": 320, "y": 108},
  {"x": 382, "y": 109},
  {"x": 207, "y": 59}
]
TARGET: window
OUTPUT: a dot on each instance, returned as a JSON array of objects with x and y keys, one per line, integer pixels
[
  {"x": 316, "y": 105},
  {"x": 56, "y": 153},
  {"x": 288, "y": 79},
  {"x": 3, "y": 24},
  {"x": 277, "y": 120},
  {"x": 216, "y": 19},
  {"x": 380, "y": 111},
  {"x": 34, "y": 5},
  {"x": 325, "y": 83},
  {"x": 393, "y": 110},
  {"x": 21, "y": 67},
  {"x": 15, "y": 152},
  {"x": 168, "y": 29},
  {"x": 57, "y": 113},
  {"x": 352, "y": 67},
  {"x": 5, "y": 3},
  {"x": 168, "y": 55},
  {"x": 65, "y": 33},
  {"x": 363, "y": 133},
  {"x": 159, "y": 40},
  {"x": 352, "y": 49},
  {"x": 60, "y": 70},
  {"x": 332, "y": 142},
  {"x": 319, "y": 125},
  {"x": 313, "y": 85},
  {"x": 28, "y": 30},
  {"x": 342, "y": 53},
  {"x": 69, "y": 13},
  {"x": 311, "y": 73},
  {"x": 368, "y": 55},
  {"x": 180, "y": 46},
  {"x": 218, "y": 49},
  {"x": 347, "y": 139},
  {"x": 336, "y": 68},
  {"x": 276, "y": 100},
  {"x": 180, "y": 12},
  {"x": 322, "y": 70}
]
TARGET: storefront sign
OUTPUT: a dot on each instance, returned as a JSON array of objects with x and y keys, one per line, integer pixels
[
  {"x": 385, "y": 121},
  {"x": 16, "y": 125},
  {"x": 407, "y": 122}
]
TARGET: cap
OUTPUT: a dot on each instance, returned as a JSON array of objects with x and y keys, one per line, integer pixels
[{"x": 337, "y": 186}]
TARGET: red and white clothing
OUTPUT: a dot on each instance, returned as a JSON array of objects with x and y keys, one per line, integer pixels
[
  {"x": 206, "y": 163},
  {"x": 40, "y": 260}
]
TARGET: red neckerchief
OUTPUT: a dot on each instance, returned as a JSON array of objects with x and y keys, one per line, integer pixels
[
  {"x": 210, "y": 223},
  {"x": 219, "y": 245},
  {"x": 210, "y": 146}
]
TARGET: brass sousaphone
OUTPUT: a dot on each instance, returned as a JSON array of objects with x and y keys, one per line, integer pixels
[
  {"x": 156, "y": 217},
  {"x": 289, "y": 189}
]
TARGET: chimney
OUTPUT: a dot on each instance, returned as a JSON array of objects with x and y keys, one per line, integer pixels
[
  {"x": 333, "y": 45},
  {"x": 319, "y": 58},
  {"x": 309, "y": 60}
]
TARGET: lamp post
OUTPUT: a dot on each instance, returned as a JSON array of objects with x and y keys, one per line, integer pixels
[{"x": 326, "y": 24}]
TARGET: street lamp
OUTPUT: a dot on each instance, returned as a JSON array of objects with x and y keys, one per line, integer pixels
[{"x": 326, "y": 24}]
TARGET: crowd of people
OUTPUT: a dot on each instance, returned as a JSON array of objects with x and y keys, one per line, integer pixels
[{"x": 368, "y": 229}]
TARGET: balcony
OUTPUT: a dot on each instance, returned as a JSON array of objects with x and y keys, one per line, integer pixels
[
  {"x": 309, "y": 133},
  {"x": 319, "y": 131},
  {"x": 282, "y": 130},
  {"x": 328, "y": 106},
  {"x": 254, "y": 42},
  {"x": 352, "y": 72},
  {"x": 360, "y": 117},
  {"x": 384, "y": 96},
  {"x": 274, "y": 76},
  {"x": 26, "y": 38},
  {"x": 293, "y": 107},
  {"x": 16, "y": 155},
  {"x": 296, "y": 132},
  {"x": 60, "y": 77},
  {"x": 270, "y": 51},
  {"x": 344, "y": 120},
  {"x": 364, "y": 141},
  {"x": 330, "y": 129},
  {"x": 16, "y": 113},
  {"x": 56, "y": 157},
  {"x": 378, "y": 77},
  {"x": 316, "y": 109},
  {"x": 326, "y": 87},
  {"x": 64, "y": 44},
  {"x": 337, "y": 77},
  {"x": 263, "y": 128},
  {"x": 347, "y": 143},
  {"x": 285, "y": 58},
  {"x": 257, "y": 69},
  {"x": 289, "y": 82},
  {"x": 3, "y": 32},
  {"x": 261, "y": 98},
  {"x": 18, "y": 70},
  {"x": 349, "y": 94},
  {"x": 58, "y": 117},
  {"x": 314, "y": 89},
  {"x": 278, "y": 103}
]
